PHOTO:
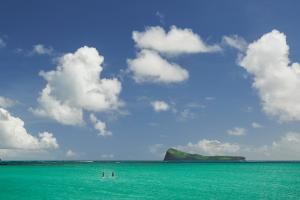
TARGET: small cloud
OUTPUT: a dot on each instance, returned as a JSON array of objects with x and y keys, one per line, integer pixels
[
  {"x": 6, "y": 102},
  {"x": 40, "y": 49},
  {"x": 100, "y": 126},
  {"x": 160, "y": 16},
  {"x": 173, "y": 42},
  {"x": 2, "y": 43},
  {"x": 236, "y": 42},
  {"x": 186, "y": 114},
  {"x": 210, "y": 98},
  {"x": 237, "y": 131},
  {"x": 70, "y": 154},
  {"x": 150, "y": 67},
  {"x": 256, "y": 125},
  {"x": 211, "y": 147},
  {"x": 188, "y": 111},
  {"x": 160, "y": 106}
]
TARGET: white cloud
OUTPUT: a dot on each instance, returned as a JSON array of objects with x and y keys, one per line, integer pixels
[
  {"x": 13, "y": 135},
  {"x": 286, "y": 148},
  {"x": 211, "y": 147},
  {"x": 159, "y": 106},
  {"x": 237, "y": 131},
  {"x": 6, "y": 102},
  {"x": 236, "y": 42},
  {"x": 63, "y": 113},
  {"x": 149, "y": 66},
  {"x": 99, "y": 126},
  {"x": 71, "y": 154},
  {"x": 2, "y": 43},
  {"x": 176, "y": 41},
  {"x": 256, "y": 125},
  {"x": 276, "y": 79},
  {"x": 154, "y": 42},
  {"x": 76, "y": 86},
  {"x": 40, "y": 49}
]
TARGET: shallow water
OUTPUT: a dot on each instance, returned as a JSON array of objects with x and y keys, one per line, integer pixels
[{"x": 150, "y": 180}]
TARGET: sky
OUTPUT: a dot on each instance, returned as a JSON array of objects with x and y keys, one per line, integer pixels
[{"x": 116, "y": 80}]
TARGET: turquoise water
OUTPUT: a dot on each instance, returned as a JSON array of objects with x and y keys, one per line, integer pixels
[{"x": 142, "y": 180}]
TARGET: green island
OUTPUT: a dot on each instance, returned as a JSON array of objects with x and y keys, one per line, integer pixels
[{"x": 177, "y": 155}]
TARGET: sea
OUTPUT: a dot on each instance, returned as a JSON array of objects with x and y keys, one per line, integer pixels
[{"x": 94, "y": 180}]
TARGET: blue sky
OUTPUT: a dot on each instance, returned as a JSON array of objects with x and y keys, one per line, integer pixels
[{"x": 229, "y": 103}]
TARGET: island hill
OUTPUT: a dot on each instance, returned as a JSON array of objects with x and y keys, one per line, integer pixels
[{"x": 177, "y": 155}]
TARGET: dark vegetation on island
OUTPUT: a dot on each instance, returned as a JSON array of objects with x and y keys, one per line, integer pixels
[{"x": 177, "y": 155}]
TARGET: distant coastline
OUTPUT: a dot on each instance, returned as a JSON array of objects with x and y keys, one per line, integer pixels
[{"x": 173, "y": 154}]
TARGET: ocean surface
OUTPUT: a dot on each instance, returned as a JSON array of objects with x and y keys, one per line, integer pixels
[{"x": 149, "y": 180}]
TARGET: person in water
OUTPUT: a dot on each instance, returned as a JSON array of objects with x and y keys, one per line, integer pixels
[
  {"x": 102, "y": 174},
  {"x": 113, "y": 174}
]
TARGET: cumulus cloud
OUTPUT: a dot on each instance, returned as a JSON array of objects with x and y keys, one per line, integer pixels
[
  {"x": 40, "y": 49},
  {"x": 236, "y": 42},
  {"x": 287, "y": 147},
  {"x": 237, "y": 131},
  {"x": 149, "y": 66},
  {"x": 52, "y": 108},
  {"x": 176, "y": 41},
  {"x": 276, "y": 79},
  {"x": 76, "y": 86},
  {"x": 6, "y": 102},
  {"x": 100, "y": 126},
  {"x": 159, "y": 106},
  {"x": 13, "y": 135},
  {"x": 256, "y": 125},
  {"x": 155, "y": 42},
  {"x": 211, "y": 147}
]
